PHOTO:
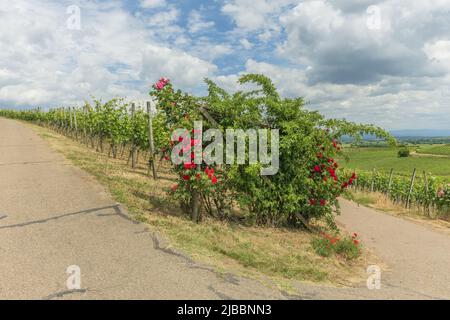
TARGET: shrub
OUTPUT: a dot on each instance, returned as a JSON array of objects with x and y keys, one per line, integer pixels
[
  {"x": 403, "y": 153},
  {"x": 308, "y": 182}
]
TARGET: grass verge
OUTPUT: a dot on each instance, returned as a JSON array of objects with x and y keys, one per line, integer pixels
[{"x": 278, "y": 254}]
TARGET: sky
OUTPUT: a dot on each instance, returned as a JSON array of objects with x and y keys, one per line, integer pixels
[{"x": 370, "y": 61}]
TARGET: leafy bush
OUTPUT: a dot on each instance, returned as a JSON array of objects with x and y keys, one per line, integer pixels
[
  {"x": 403, "y": 153},
  {"x": 307, "y": 184}
]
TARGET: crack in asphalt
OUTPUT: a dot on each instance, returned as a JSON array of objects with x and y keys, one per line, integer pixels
[
  {"x": 219, "y": 294},
  {"x": 170, "y": 251},
  {"x": 289, "y": 296},
  {"x": 64, "y": 293},
  {"x": 19, "y": 225},
  {"x": 414, "y": 291},
  {"x": 119, "y": 212}
]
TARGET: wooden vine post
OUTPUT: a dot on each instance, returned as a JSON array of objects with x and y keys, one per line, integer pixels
[
  {"x": 372, "y": 186},
  {"x": 75, "y": 123},
  {"x": 411, "y": 187},
  {"x": 151, "y": 143},
  {"x": 133, "y": 148},
  {"x": 85, "y": 117},
  {"x": 195, "y": 206},
  {"x": 70, "y": 119},
  {"x": 64, "y": 118},
  {"x": 427, "y": 192},
  {"x": 391, "y": 176}
]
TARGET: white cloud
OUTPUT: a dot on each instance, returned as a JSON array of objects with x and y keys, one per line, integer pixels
[
  {"x": 114, "y": 54},
  {"x": 252, "y": 15},
  {"x": 340, "y": 48},
  {"x": 257, "y": 17},
  {"x": 438, "y": 52},
  {"x": 196, "y": 22},
  {"x": 150, "y": 4},
  {"x": 246, "y": 44},
  {"x": 210, "y": 51},
  {"x": 186, "y": 70},
  {"x": 393, "y": 103},
  {"x": 164, "y": 18}
]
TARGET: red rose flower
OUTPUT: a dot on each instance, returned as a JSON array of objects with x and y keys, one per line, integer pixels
[
  {"x": 334, "y": 143},
  {"x": 187, "y": 166}
]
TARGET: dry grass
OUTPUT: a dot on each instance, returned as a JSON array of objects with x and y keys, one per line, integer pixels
[{"x": 281, "y": 255}]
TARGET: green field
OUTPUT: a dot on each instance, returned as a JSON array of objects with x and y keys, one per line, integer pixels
[
  {"x": 385, "y": 158},
  {"x": 439, "y": 149}
]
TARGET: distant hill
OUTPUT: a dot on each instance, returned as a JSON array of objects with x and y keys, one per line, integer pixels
[
  {"x": 420, "y": 133},
  {"x": 412, "y": 136}
]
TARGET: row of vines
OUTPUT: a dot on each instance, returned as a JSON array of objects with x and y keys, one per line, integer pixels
[
  {"x": 420, "y": 191},
  {"x": 306, "y": 186},
  {"x": 114, "y": 126}
]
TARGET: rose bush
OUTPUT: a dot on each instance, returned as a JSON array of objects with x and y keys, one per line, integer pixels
[{"x": 307, "y": 184}]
